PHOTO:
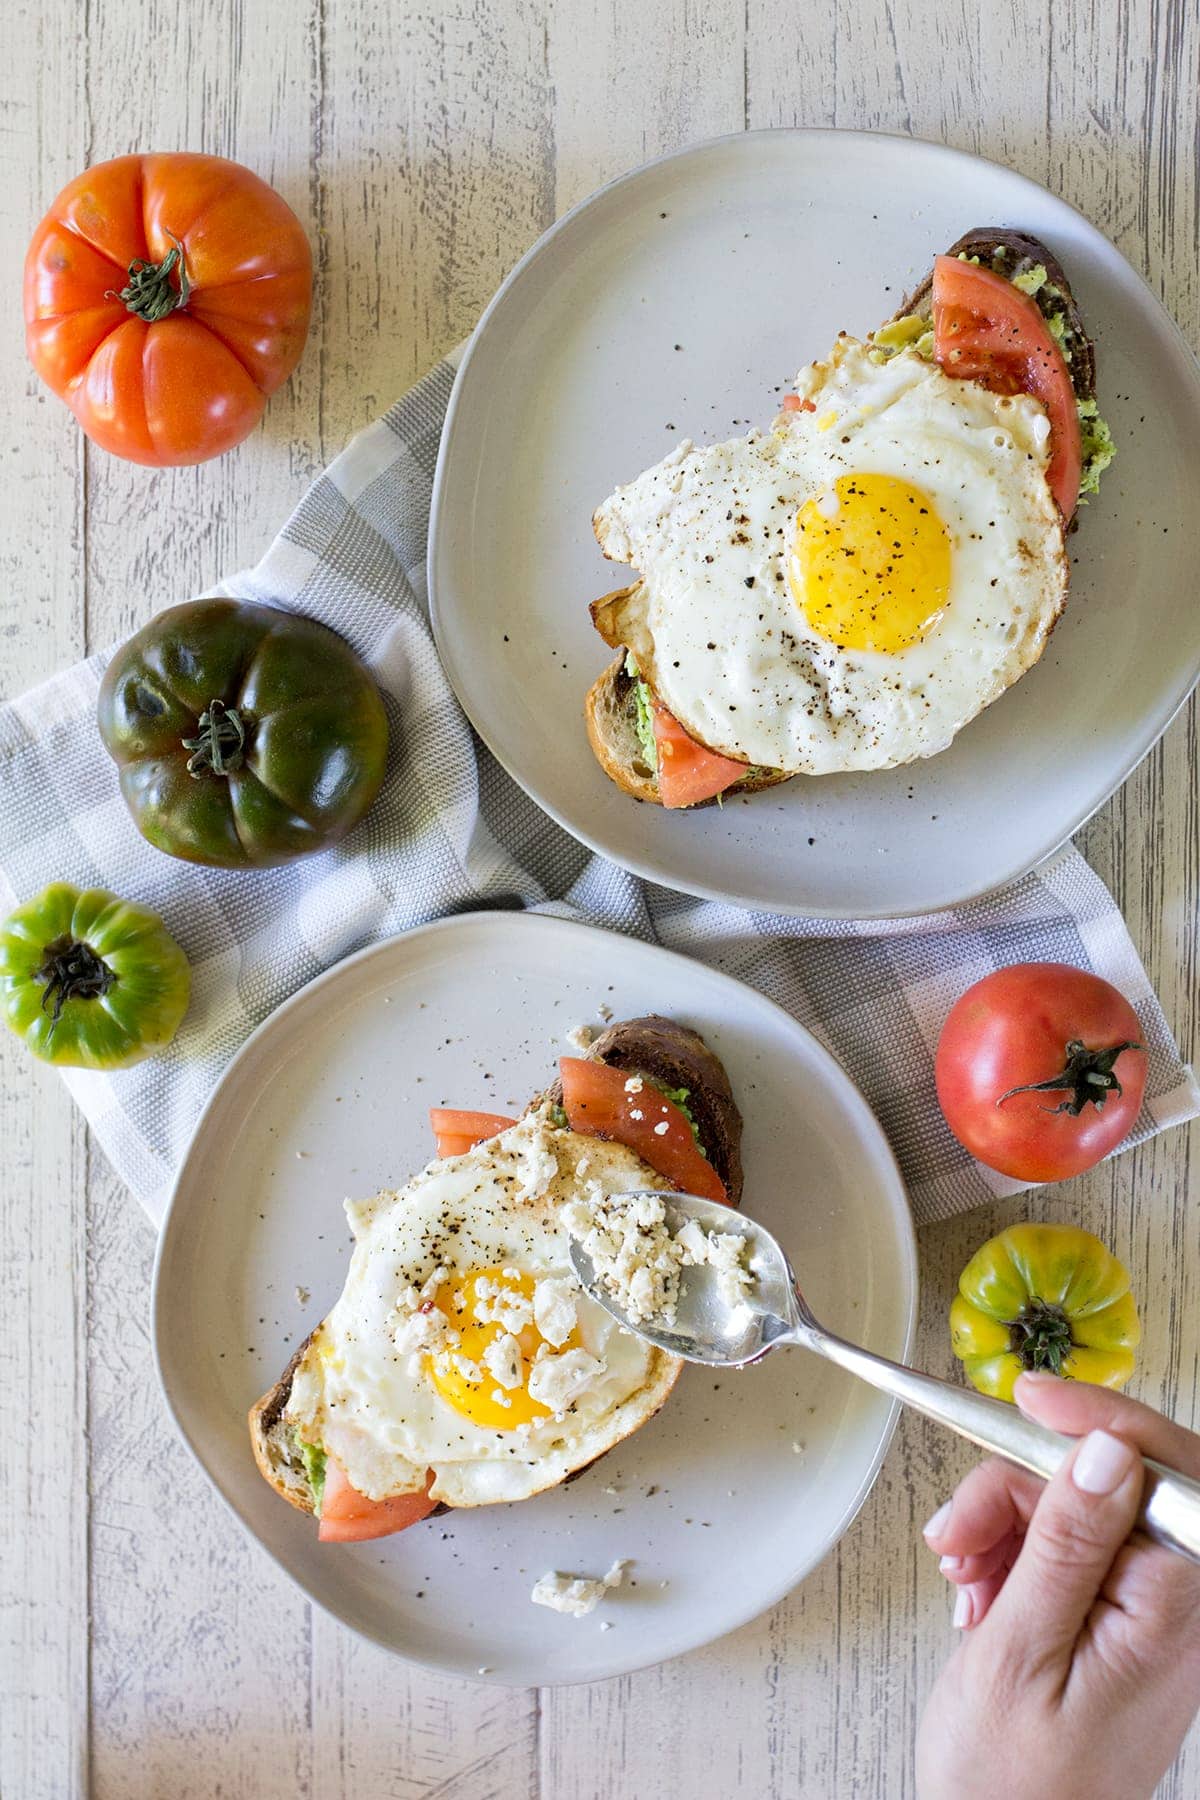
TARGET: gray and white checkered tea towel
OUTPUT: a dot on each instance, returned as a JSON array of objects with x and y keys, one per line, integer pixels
[{"x": 452, "y": 831}]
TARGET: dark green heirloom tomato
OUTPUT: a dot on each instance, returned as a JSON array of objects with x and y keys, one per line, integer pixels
[
  {"x": 90, "y": 981},
  {"x": 245, "y": 736}
]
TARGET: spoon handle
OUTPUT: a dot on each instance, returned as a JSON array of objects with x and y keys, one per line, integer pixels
[{"x": 1170, "y": 1501}]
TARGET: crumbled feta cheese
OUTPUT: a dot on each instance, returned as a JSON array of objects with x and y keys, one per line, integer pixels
[
  {"x": 500, "y": 1397},
  {"x": 466, "y": 1366},
  {"x": 537, "y": 1167},
  {"x": 631, "y": 1250},
  {"x": 662, "y": 1129},
  {"x": 634, "y": 1085},
  {"x": 424, "y": 1330},
  {"x": 605, "y": 1011},
  {"x": 636, "y": 1257},
  {"x": 496, "y": 1304},
  {"x": 554, "y": 1309},
  {"x": 580, "y": 1037},
  {"x": 558, "y": 1381},
  {"x": 577, "y": 1595},
  {"x": 503, "y": 1361},
  {"x": 691, "y": 1236},
  {"x": 635, "y": 1112},
  {"x": 412, "y": 1299},
  {"x": 726, "y": 1254}
]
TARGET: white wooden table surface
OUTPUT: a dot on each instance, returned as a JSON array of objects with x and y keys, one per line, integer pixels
[{"x": 147, "y": 1651}]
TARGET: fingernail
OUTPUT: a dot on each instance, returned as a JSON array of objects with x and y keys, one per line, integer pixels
[
  {"x": 1042, "y": 1377},
  {"x": 1101, "y": 1463},
  {"x": 964, "y": 1606},
  {"x": 938, "y": 1522},
  {"x": 950, "y": 1565}
]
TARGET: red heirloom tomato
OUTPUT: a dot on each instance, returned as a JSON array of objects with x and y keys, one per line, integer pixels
[
  {"x": 987, "y": 329},
  {"x": 165, "y": 298},
  {"x": 1041, "y": 1070}
]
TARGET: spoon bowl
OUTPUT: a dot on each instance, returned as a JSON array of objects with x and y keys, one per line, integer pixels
[{"x": 706, "y": 1327}]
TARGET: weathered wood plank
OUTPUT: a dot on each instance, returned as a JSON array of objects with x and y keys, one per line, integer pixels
[{"x": 43, "y": 1402}]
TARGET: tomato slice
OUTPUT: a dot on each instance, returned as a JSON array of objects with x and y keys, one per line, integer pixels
[
  {"x": 457, "y": 1131},
  {"x": 598, "y": 1103},
  {"x": 687, "y": 772},
  {"x": 986, "y": 329},
  {"x": 348, "y": 1517}
]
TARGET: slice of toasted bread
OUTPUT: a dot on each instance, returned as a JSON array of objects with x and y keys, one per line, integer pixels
[
  {"x": 275, "y": 1452},
  {"x": 674, "y": 1056},
  {"x": 611, "y": 714},
  {"x": 662, "y": 1050},
  {"x": 1012, "y": 253}
]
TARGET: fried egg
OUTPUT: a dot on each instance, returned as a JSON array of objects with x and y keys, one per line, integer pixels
[
  {"x": 849, "y": 589},
  {"x": 463, "y": 1344}
]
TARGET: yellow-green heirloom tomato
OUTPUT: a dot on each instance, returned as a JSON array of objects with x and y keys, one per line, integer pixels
[
  {"x": 90, "y": 981},
  {"x": 1044, "y": 1297}
]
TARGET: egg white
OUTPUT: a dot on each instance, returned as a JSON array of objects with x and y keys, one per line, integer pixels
[
  {"x": 714, "y": 623},
  {"x": 374, "y": 1406}
]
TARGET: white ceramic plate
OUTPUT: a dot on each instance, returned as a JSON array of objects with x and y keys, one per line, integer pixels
[
  {"x": 329, "y": 1098},
  {"x": 678, "y": 302}
]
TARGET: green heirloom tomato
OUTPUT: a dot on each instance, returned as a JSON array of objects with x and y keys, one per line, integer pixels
[
  {"x": 245, "y": 736},
  {"x": 1044, "y": 1297},
  {"x": 90, "y": 981}
]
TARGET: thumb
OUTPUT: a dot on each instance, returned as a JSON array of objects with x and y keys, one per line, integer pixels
[{"x": 1084, "y": 1515}]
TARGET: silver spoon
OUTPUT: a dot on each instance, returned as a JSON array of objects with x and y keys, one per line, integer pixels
[{"x": 708, "y": 1328}]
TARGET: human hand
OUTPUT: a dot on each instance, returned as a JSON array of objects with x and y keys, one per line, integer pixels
[{"x": 1079, "y": 1668}]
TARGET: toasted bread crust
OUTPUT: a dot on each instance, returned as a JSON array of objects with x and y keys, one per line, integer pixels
[
  {"x": 660, "y": 1048},
  {"x": 609, "y": 713},
  {"x": 678, "y": 1057},
  {"x": 606, "y": 614},
  {"x": 1021, "y": 251},
  {"x": 271, "y": 1446}
]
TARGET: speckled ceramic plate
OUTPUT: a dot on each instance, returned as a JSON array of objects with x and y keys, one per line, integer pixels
[
  {"x": 726, "y": 1499},
  {"x": 677, "y": 302}
]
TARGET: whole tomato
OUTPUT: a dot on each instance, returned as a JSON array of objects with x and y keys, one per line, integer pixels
[
  {"x": 165, "y": 298},
  {"x": 245, "y": 735},
  {"x": 90, "y": 981},
  {"x": 1041, "y": 1070}
]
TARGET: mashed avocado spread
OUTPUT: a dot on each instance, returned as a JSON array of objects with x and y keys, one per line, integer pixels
[
  {"x": 679, "y": 1098},
  {"x": 644, "y": 720},
  {"x": 313, "y": 1458}
]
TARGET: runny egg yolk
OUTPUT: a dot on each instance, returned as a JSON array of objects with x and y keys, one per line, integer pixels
[
  {"x": 469, "y": 1311},
  {"x": 871, "y": 566}
]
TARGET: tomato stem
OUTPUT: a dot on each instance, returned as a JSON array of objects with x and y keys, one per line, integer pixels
[
  {"x": 150, "y": 292},
  {"x": 1088, "y": 1078},
  {"x": 1040, "y": 1336},
  {"x": 219, "y": 746},
  {"x": 71, "y": 971}
]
